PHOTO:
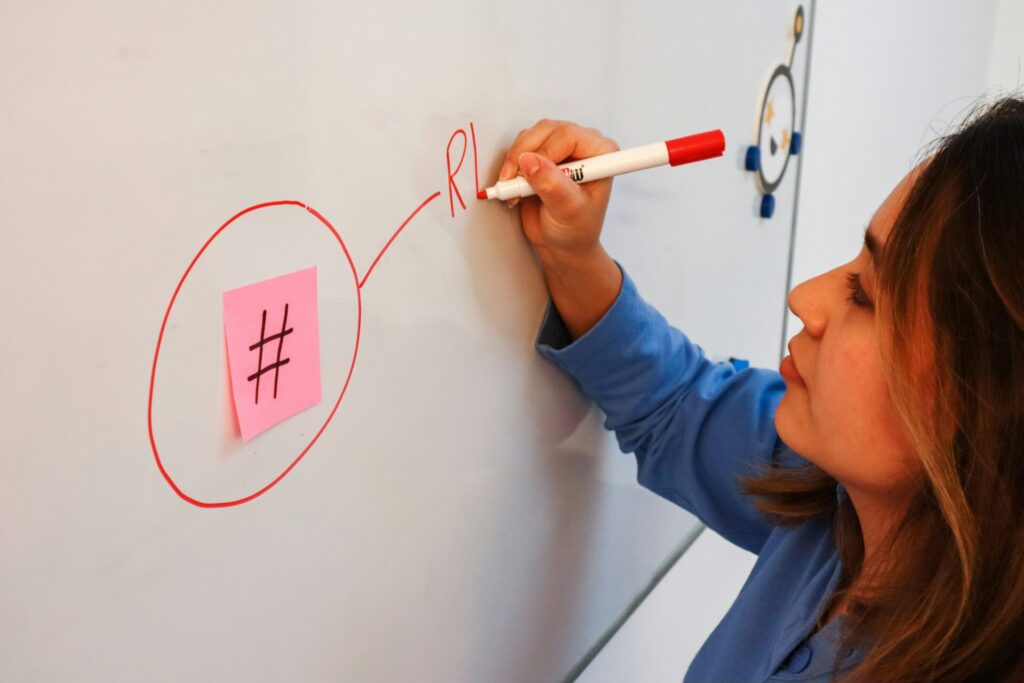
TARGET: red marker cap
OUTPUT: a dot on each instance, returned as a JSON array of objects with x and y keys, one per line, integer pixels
[{"x": 695, "y": 147}]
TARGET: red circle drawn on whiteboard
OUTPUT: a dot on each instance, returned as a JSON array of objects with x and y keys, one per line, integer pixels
[{"x": 159, "y": 340}]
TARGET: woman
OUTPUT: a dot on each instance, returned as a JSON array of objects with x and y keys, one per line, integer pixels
[{"x": 881, "y": 483}]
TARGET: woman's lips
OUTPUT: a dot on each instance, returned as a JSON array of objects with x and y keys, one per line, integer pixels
[{"x": 787, "y": 368}]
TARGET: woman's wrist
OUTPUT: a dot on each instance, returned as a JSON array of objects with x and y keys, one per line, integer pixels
[{"x": 583, "y": 285}]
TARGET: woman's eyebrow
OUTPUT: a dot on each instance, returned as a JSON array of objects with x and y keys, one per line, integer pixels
[{"x": 871, "y": 242}]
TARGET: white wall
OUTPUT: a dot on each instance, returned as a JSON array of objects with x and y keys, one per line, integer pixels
[
  {"x": 1006, "y": 61},
  {"x": 885, "y": 78}
]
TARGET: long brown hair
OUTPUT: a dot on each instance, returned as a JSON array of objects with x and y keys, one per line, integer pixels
[{"x": 950, "y": 606}]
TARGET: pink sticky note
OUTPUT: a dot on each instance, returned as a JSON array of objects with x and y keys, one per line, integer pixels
[{"x": 273, "y": 337}]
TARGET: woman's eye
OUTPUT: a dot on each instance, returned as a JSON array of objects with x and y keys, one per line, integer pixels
[{"x": 857, "y": 296}]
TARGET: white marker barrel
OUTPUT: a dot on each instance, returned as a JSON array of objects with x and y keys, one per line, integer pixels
[{"x": 675, "y": 152}]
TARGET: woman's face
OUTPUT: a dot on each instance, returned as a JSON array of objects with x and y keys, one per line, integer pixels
[{"x": 840, "y": 416}]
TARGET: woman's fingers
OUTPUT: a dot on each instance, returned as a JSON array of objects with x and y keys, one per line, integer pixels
[
  {"x": 569, "y": 141},
  {"x": 557, "y": 141},
  {"x": 528, "y": 140}
]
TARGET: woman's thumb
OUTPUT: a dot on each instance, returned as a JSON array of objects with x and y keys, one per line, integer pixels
[{"x": 560, "y": 194}]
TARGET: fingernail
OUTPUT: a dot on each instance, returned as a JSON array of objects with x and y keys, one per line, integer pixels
[
  {"x": 529, "y": 163},
  {"x": 506, "y": 171},
  {"x": 511, "y": 203}
]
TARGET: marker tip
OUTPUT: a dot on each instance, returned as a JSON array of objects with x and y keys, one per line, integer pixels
[{"x": 482, "y": 194}]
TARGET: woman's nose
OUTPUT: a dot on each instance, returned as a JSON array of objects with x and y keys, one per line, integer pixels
[{"x": 810, "y": 301}]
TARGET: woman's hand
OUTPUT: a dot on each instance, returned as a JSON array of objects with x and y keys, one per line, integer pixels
[{"x": 564, "y": 218}]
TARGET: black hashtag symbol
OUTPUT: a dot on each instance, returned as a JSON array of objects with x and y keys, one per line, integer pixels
[{"x": 276, "y": 365}]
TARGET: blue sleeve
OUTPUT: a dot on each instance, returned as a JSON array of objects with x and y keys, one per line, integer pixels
[{"x": 693, "y": 425}]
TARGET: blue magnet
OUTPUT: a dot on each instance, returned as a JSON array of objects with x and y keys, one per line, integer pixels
[
  {"x": 795, "y": 142},
  {"x": 767, "y": 206},
  {"x": 753, "y": 160}
]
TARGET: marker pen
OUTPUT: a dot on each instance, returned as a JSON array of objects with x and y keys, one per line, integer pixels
[{"x": 674, "y": 152}]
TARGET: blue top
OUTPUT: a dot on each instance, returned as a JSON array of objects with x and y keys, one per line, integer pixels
[{"x": 694, "y": 426}]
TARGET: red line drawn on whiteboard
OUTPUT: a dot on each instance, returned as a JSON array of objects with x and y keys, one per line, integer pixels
[
  {"x": 400, "y": 228},
  {"x": 453, "y": 191},
  {"x": 453, "y": 188}
]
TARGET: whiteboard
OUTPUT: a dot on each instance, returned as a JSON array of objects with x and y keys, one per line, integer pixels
[{"x": 452, "y": 509}]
